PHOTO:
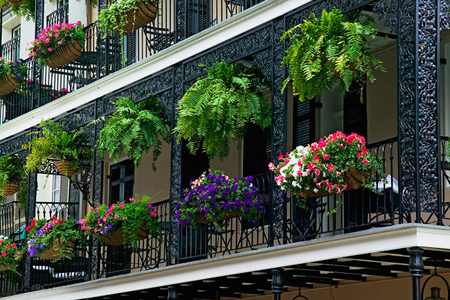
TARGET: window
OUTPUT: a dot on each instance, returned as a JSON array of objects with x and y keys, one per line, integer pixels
[
  {"x": 56, "y": 188},
  {"x": 16, "y": 31},
  {"x": 304, "y": 121},
  {"x": 121, "y": 181},
  {"x": 355, "y": 112}
]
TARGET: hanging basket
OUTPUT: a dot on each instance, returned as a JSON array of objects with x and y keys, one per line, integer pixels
[
  {"x": 201, "y": 218},
  {"x": 143, "y": 14},
  {"x": 116, "y": 238},
  {"x": 4, "y": 267},
  {"x": 11, "y": 188},
  {"x": 52, "y": 254},
  {"x": 352, "y": 178},
  {"x": 8, "y": 84},
  {"x": 64, "y": 55},
  {"x": 66, "y": 168},
  {"x": 14, "y": 1}
]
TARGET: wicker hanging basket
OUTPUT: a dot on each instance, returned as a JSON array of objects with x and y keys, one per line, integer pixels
[
  {"x": 352, "y": 178},
  {"x": 66, "y": 168},
  {"x": 116, "y": 238},
  {"x": 11, "y": 188},
  {"x": 4, "y": 267},
  {"x": 143, "y": 14},
  {"x": 52, "y": 254},
  {"x": 201, "y": 218},
  {"x": 64, "y": 55},
  {"x": 8, "y": 84},
  {"x": 14, "y": 1}
]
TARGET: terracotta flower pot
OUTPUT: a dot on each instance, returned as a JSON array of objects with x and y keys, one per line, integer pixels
[
  {"x": 52, "y": 254},
  {"x": 352, "y": 178},
  {"x": 116, "y": 238},
  {"x": 64, "y": 55},
  {"x": 11, "y": 188},
  {"x": 7, "y": 84},
  {"x": 139, "y": 17},
  {"x": 66, "y": 168}
]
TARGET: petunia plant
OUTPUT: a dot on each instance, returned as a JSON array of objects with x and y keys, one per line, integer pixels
[
  {"x": 56, "y": 234},
  {"x": 128, "y": 217},
  {"x": 16, "y": 69},
  {"x": 215, "y": 196},
  {"x": 53, "y": 38},
  {"x": 323, "y": 167},
  {"x": 10, "y": 254}
]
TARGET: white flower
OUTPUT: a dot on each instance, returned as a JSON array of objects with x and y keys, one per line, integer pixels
[{"x": 315, "y": 190}]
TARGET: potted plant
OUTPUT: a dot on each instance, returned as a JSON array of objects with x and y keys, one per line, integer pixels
[
  {"x": 334, "y": 164},
  {"x": 12, "y": 75},
  {"x": 329, "y": 52},
  {"x": 218, "y": 108},
  {"x": 124, "y": 222},
  {"x": 10, "y": 254},
  {"x": 53, "y": 239},
  {"x": 13, "y": 178},
  {"x": 125, "y": 16},
  {"x": 58, "y": 44},
  {"x": 133, "y": 129},
  {"x": 214, "y": 198},
  {"x": 56, "y": 143}
]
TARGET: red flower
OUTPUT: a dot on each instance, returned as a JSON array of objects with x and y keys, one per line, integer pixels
[{"x": 3, "y": 254}]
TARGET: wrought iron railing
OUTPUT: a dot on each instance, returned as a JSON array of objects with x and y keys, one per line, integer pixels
[
  {"x": 12, "y": 220},
  {"x": 60, "y": 15},
  {"x": 11, "y": 49}
]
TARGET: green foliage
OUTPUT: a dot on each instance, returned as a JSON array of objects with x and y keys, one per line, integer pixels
[
  {"x": 24, "y": 9},
  {"x": 57, "y": 143},
  {"x": 13, "y": 170},
  {"x": 218, "y": 107},
  {"x": 329, "y": 52},
  {"x": 128, "y": 216},
  {"x": 133, "y": 129},
  {"x": 55, "y": 234}
]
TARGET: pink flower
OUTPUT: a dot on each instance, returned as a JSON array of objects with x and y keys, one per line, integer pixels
[
  {"x": 121, "y": 205},
  {"x": 153, "y": 213},
  {"x": 59, "y": 42},
  {"x": 91, "y": 209},
  {"x": 49, "y": 49},
  {"x": 116, "y": 216}
]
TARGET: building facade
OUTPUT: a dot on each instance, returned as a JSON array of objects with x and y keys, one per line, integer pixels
[{"x": 374, "y": 246}]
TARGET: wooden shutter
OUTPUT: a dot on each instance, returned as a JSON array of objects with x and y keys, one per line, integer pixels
[
  {"x": 304, "y": 122},
  {"x": 355, "y": 112},
  {"x": 199, "y": 16},
  {"x": 121, "y": 180},
  {"x": 192, "y": 165}
]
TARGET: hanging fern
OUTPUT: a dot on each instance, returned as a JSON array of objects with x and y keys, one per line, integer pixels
[
  {"x": 12, "y": 169},
  {"x": 133, "y": 129},
  {"x": 218, "y": 108},
  {"x": 329, "y": 52}
]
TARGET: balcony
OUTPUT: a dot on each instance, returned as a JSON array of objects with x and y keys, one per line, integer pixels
[
  {"x": 165, "y": 31},
  {"x": 11, "y": 49}
]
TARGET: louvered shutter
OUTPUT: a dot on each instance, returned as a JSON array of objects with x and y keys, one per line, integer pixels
[
  {"x": 193, "y": 165},
  {"x": 355, "y": 112},
  {"x": 121, "y": 180},
  {"x": 199, "y": 16},
  {"x": 304, "y": 122}
]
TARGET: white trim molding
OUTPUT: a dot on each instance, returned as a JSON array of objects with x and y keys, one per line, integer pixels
[{"x": 365, "y": 242}]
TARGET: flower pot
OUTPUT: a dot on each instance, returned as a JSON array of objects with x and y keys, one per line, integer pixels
[
  {"x": 7, "y": 84},
  {"x": 52, "y": 254},
  {"x": 116, "y": 238},
  {"x": 143, "y": 14},
  {"x": 352, "y": 178},
  {"x": 11, "y": 188},
  {"x": 66, "y": 168},
  {"x": 64, "y": 55},
  {"x": 201, "y": 218}
]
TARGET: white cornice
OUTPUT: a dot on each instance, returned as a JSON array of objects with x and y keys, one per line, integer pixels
[
  {"x": 365, "y": 242},
  {"x": 233, "y": 27}
]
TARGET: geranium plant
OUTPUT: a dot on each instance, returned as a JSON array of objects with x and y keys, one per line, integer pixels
[
  {"x": 54, "y": 37},
  {"x": 323, "y": 168},
  {"x": 10, "y": 254},
  {"x": 215, "y": 196},
  {"x": 57, "y": 143},
  {"x": 16, "y": 69},
  {"x": 128, "y": 217},
  {"x": 329, "y": 52},
  {"x": 219, "y": 107},
  {"x": 133, "y": 129},
  {"x": 55, "y": 236}
]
